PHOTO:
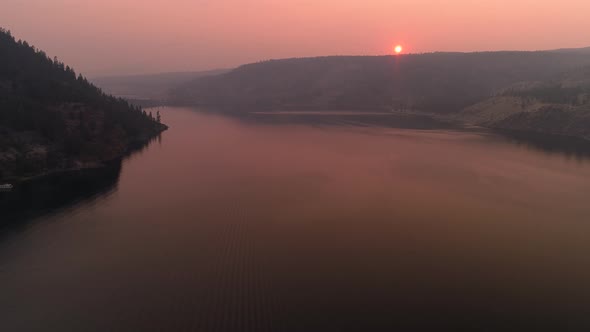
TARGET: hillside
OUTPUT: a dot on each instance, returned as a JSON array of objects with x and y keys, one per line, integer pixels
[
  {"x": 436, "y": 82},
  {"x": 559, "y": 106},
  {"x": 51, "y": 119},
  {"x": 150, "y": 86}
]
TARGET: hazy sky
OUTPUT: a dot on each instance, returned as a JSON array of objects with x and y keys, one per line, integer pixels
[{"x": 137, "y": 36}]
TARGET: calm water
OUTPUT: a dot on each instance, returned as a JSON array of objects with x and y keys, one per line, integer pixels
[{"x": 228, "y": 225}]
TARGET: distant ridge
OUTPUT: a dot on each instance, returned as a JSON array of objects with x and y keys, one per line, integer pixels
[
  {"x": 432, "y": 82},
  {"x": 584, "y": 50},
  {"x": 149, "y": 86}
]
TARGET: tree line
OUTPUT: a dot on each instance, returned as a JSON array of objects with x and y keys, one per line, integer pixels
[{"x": 46, "y": 98}]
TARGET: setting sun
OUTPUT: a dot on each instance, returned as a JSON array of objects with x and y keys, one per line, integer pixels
[{"x": 294, "y": 165}]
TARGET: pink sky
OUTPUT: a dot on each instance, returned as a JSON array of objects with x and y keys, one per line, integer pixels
[{"x": 138, "y": 36}]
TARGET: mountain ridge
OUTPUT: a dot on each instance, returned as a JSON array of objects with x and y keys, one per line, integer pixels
[
  {"x": 451, "y": 85},
  {"x": 437, "y": 82},
  {"x": 152, "y": 86}
]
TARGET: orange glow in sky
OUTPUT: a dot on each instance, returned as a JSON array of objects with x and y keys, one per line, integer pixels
[
  {"x": 398, "y": 49},
  {"x": 138, "y": 36}
]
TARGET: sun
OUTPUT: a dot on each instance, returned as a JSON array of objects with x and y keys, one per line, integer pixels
[{"x": 398, "y": 49}]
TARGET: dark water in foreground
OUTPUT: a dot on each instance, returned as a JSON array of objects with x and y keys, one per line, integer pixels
[{"x": 226, "y": 225}]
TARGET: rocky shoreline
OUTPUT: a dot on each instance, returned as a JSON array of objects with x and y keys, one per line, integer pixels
[{"x": 78, "y": 165}]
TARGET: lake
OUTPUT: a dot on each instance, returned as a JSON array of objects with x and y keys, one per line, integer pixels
[{"x": 223, "y": 224}]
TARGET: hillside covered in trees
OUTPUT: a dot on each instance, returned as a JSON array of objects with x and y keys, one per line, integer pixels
[
  {"x": 544, "y": 91},
  {"x": 435, "y": 82},
  {"x": 52, "y": 119}
]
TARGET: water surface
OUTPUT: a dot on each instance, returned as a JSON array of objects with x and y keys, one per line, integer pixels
[{"x": 230, "y": 225}]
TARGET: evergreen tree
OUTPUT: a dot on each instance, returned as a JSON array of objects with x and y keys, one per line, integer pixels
[{"x": 44, "y": 96}]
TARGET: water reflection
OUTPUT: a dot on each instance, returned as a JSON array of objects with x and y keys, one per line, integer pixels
[
  {"x": 359, "y": 119},
  {"x": 235, "y": 226},
  {"x": 55, "y": 193},
  {"x": 59, "y": 192},
  {"x": 570, "y": 147}
]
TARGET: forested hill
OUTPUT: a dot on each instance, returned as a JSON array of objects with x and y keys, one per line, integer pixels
[
  {"x": 52, "y": 119},
  {"x": 435, "y": 82}
]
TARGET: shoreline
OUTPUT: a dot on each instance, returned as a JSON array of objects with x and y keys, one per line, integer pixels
[
  {"x": 445, "y": 119},
  {"x": 132, "y": 147}
]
